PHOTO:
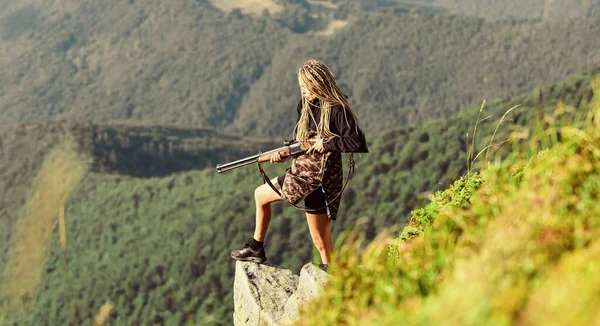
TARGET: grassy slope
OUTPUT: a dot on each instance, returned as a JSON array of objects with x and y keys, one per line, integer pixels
[
  {"x": 23, "y": 150},
  {"x": 516, "y": 245},
  {"x": 411, "y": 162},
  {"x": 158, "y": 247},
  {"x": 62, "y": 170}
]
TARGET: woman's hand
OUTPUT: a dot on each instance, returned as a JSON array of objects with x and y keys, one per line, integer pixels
[
  {"x": 317, "y": 147},
  {"x": 277, "y": 158}
]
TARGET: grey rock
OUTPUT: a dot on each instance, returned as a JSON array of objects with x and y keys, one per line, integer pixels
[
  {"x": 292, "y": 308},
  {"x": 311, "y": 283},
  {"x": 261, "y": 292},
  {"x": 237, "y": 320}
]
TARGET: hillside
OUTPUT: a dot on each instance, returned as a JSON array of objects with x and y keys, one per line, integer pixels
[
  {"x": 492, "y": 10},
  {"x": 414, "y": 161},
  {"x": 123, "y": 150},
  {"x": 409, "y": 67},
  {"x": 516, "y": 244},
  {"x": 189, "y": 64},
  {"x": 515, "y": 9},
  {"x": 157, "y": 247}
]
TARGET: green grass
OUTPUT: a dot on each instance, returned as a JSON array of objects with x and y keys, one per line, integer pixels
[{"x": 513, "y": 245}]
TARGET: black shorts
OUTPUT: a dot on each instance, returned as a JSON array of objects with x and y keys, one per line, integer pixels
[{"x": 314, "y": 200}]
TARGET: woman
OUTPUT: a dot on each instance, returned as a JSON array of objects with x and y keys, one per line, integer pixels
[{"x": 325, "y": 119}]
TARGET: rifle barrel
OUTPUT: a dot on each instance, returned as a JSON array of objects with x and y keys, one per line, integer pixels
[
  {"x": 236, "y": 164},
  {"x": 292, "y": 149}
]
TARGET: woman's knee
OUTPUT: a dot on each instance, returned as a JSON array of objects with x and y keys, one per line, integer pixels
[
  {"x": 259, "y": 193},
  {"x": 263, "y": 194}
]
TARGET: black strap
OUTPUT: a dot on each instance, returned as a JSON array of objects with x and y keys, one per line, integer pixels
[{"x": 351, "y": 168}]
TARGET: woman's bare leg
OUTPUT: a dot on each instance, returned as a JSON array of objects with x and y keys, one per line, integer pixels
[
  {"x": 319, "y": 226},
  {"x": 264, "y": 196}
]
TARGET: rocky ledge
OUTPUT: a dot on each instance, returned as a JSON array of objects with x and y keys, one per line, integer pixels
[{"x": 270, "y": 295}]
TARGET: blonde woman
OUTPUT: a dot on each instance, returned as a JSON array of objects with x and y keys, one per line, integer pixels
[{"x": 326, "y": 120}]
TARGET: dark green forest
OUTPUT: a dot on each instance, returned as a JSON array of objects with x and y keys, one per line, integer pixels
[
  {"x": 125, "y": 150},
  {"x": 189, "y": 64},
  {"x": 158, "y": 247}
]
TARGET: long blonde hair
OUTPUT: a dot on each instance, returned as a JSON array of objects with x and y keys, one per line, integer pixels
[{"x": 319, "y": 80}]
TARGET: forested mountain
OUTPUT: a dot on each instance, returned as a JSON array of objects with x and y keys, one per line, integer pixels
[
  {"x": 158, "y": 248},
  {"x": 496, "y": 10},
  {"x": 123, "y": 150},
  {"x": 518, "y": 9},
  {"x": 190, "y": 64},
  {"x": 170, "y": 62},
  {"x": 420, "y": 66}
]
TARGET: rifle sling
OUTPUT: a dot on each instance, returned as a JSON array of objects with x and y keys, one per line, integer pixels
[{"x": 351, "y": 167}]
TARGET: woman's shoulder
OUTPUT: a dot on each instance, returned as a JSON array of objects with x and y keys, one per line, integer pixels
[
  {"x": 339, "y": 105},
  {"x": 338, "y": 108}
]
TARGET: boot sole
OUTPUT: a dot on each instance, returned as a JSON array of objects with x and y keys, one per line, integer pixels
[{"x": 252, "y": 259}]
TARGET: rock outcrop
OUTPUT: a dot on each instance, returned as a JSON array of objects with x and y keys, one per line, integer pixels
[{"x": 270, "y": 295}]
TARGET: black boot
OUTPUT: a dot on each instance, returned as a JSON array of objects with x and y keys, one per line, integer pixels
[
  {"x": 249, "y": 254},
  {"x": 324, "y": 267}
]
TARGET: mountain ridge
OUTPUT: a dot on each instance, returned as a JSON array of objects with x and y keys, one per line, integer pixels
[{"x": 191, "y": 65}]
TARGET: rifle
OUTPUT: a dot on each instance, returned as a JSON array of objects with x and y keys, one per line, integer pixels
[{"x": 289, "y": 148}]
